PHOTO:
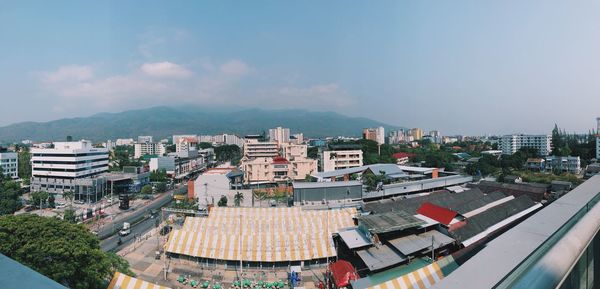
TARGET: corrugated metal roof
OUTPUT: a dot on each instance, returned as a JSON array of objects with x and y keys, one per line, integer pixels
[
  {"x": 354, "y": 238},
  {"x": 317, "y": 185},
  {"x": 377, "y": 258},
  {"x": 441, "y": 198},
  {"x": 414, "y": 243},
  {"x": 388, "y": 222},
  {"x": 490, "y": 217}
]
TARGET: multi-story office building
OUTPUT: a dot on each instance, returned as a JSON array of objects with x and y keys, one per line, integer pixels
[
  {"x": 416, "y": 133},
  {"x": 397, "y": 136},
  {"x": 341, "y": 159},
  {"x": 279, "y": 135},
  {"x": 563, "y": 164},
  {"x": 9, "y": 163},
  {"x": 70, "y": 166},
  {"x": 222, "y": 139},
  {"x": 436, "y": 136},
  {"x": 375, "y": 134},
  {"x": 510, "y": 144},
  {"x": 178, "y": 165},
  {"x": 255, "y": 149},
  {"x": 149, "y": 148}
]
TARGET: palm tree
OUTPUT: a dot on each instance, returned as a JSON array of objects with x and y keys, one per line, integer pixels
[
  {"x": 238, "y": 198},
  {"x": 69, "y": 195}
]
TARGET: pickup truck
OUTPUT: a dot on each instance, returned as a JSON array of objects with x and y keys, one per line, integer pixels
[{"x": 126, "y": 229}]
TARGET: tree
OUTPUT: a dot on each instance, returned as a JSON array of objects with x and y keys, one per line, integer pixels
[
  {"x": 238, "y": 198},
  {"x": 204, "y": 145},
  {"x": 69, "y": 216},
  {"x": 372, "y": 181},
  {"x": 231, "y": 153},
  {"x": 25, "y": 165},
  {"x": 39, "y": 198},
  {"x": 51, "y": 201},
  {"x": 9, "y": 195},
  {"x": 222, "y": 201},
  {"x": 64, "y": 252},
  {"x": 147, "y": 189},
  {"x": 69, "y": 195},
  {"x": 159, "y": 175},
  {"x": 161, "y": 187}
]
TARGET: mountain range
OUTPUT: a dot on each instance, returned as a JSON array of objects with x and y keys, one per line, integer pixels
[{"x": 165, "y": 121}]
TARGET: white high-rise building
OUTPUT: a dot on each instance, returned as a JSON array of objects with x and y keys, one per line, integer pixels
[
  {"x": 186, "y": 144},
  {"x": 279, "y": 135},
  {"x": 375, "y": 134},
  {"x": 69, "y": 166},
  {"x": 510, "y": 144},
  {"x": 254, "y": 149},
  {"x": 149, "y": 148},
  {"x": 124, "y": 142},
  {"x": 9, "y": 162}
]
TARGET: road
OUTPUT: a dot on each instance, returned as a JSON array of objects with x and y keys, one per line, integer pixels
[
  {"x": 111, "y": 243},
  {"x": 113, "y": 226}
]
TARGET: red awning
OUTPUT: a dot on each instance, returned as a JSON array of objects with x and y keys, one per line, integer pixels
[
  {"x": 437, "y": 213},
  {"x": 342, "y": 272}
]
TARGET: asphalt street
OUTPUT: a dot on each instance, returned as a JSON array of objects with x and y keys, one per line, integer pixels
[{"x": 111, "y": 243}]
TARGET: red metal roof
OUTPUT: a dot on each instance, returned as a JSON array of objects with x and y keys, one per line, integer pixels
[
  {"x": 437, "y": 213},
  {"x": 342, "y": 272},
  {"x": 280, "y": 161},
  {"x": 403, "y": 155}
]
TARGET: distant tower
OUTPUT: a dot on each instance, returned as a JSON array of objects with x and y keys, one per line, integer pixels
[{"x": 598, "y": 125}]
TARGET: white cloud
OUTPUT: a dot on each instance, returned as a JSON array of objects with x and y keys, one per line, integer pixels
[
  {"x": 165, "y": 69},
  {"x": 234, "y": 68},
  {"x": 324, "y": 96},
  {"x": 68, "y": 73}
]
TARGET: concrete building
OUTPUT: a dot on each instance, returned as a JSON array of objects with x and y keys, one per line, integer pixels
[
  {"x": 180, "y": 136},
  {"x": 255, "y": 149},
  {"x": 510, "y": 144},
  {"x": 329, "y": 191},
  {"x": 279, "y": 135},
  {"x": 144, "y": 139},
  {"x": 186, "y": 144},
  {"x": 9, "y": 163},
  {"x": 179, "y": 165},
  {"x": 290, "y": 163},
  {"x": 436, "y": 136},
  {"x": 297, "y": 138},
  {"x": 124, "y": 142},
  {"x": 149, "y": 148},
  {"x": 567, "y": 164},
  {"x": 70, "y": 166},
  {"x": 416, "y": 133},
  {"x": 397, "y": 137},
  {"x": 222, "y": 139},
  {"x": 375, "y": 134},
  {"x": 341, "y": 159}
]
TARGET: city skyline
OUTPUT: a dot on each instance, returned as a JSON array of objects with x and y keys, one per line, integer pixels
[{"x": 461, "y": 68}]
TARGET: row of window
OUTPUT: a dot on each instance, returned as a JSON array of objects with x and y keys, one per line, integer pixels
[
  {"x": 69, "y": 163},
  {"x": 70, "y": 155},
  {"x": 69, "y": 170}
]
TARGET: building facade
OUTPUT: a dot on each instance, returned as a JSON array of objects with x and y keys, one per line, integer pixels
[
  {"x": 416, "y": 133},
  {"x": 144, "y": 138},
  {"x": 149, "y": 148},
  {"x": 510, "y": 144},
  {"x": 563, "y": 164},
  {"x": 186, "y": 144},
  {"x": 375, "y": 134},
  {"x": 279, "y": 135},
  {"x": 255, "y": 149},
  {"x": 341, "y": 159},
  {"x": 70, "y": 166},
  {"x": 9, "y": 163}
]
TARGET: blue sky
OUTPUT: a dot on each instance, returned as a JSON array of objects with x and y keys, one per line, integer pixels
[{"x": 469, "y": 67}]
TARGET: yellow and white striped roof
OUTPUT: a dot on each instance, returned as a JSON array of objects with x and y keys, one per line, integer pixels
[
  {"x": 122, "y": 281},
  {"x": 419, "y": 279},
  {"x": 260, "y": 234}
]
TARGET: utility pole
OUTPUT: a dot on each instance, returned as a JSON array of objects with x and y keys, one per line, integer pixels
[{"x": 432, "y": 251}]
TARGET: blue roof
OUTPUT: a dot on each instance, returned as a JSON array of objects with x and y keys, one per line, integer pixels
[{"x": 18, "y": 276}]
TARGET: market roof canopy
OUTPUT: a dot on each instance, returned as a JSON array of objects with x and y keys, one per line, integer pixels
[
  {"x": 416, "y": 243},
  {"x": 261, "y": 234},
  {"x": 381, "y": 257},
  {"x": 122, "y": 281},
  {"x": 388, "y": 222}
]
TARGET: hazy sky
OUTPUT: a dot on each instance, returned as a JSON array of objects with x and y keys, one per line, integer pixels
[{"x": 469, "y": 67}]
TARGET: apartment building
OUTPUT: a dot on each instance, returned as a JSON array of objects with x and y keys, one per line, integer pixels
[
  {"x": 179, "y": 165},
  {"x": 70, "y": 166},
  {"x": 510, "y": 144},
  {"x": 563, "y": 164},
  {"x": 375, "y": 134},
  {"x": 253, "y": 148},
  {"x": 416, "y": 133},
  {"x": 144, "y": 139},
  {"x": 598, "y": 139},
  {"x": 341, "y": 159},
  {"x": 124, "y": 142},
  {"x": 149, "y": 148},
  {"x": 9, "y": 163},
  {"x": 186, "y": 144},
  {"x": 279, "y": 135},
  {"x": 222, "y": 139}
]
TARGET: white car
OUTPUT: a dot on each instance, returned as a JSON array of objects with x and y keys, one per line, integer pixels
[{"x": 60, "y": 206}]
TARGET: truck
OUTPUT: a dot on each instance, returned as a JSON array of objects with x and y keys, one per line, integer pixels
[{"x": 126, "y": 229}]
